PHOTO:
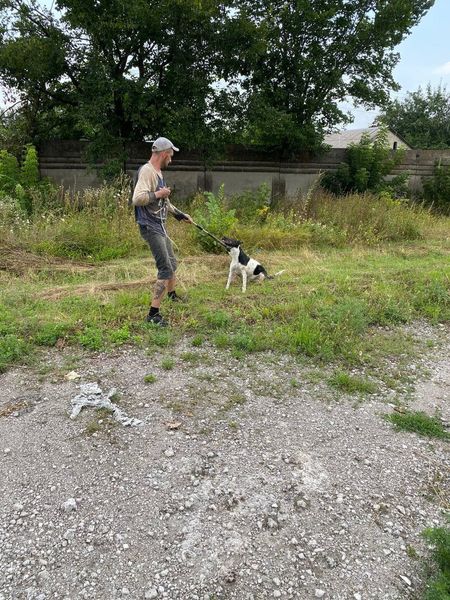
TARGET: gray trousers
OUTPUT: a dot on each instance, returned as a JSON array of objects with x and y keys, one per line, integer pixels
[{"x": 161, "y": 248}]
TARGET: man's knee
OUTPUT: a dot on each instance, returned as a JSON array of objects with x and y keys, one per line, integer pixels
[{"x": 165, "y": 273}]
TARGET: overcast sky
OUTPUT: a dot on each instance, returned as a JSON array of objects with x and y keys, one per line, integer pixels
[{"x": 424, "y": 58}]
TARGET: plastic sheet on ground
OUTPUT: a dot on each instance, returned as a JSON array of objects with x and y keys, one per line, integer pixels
[{"x": 91, "y": 395}]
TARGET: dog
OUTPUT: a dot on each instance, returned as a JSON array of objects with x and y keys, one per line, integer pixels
[{"x": 241, "y": 264}]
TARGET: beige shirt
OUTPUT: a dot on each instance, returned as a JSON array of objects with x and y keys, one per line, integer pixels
[{"x": 148, "y": 182}]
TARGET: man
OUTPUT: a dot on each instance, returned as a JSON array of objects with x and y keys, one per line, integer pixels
[{"x": 151, "y": 205}]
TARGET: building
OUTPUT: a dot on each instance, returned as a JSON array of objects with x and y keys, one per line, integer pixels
[{"x": 353, "y": 136}]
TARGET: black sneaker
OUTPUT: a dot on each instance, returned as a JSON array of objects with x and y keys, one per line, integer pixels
[
  {"x": 157, "y": 319},
  {"x": 174, "y": 297}
]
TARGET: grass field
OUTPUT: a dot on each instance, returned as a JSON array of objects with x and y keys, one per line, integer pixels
[
  {"x": 331, "y": 304},
  {"x": 78, "y": 273}
]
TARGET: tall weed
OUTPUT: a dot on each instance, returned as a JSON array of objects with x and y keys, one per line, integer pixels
[
  {"x": 96, "y": 224},
  {"x": 368, "y": 218},
  {"x": 213, "y": 215}
]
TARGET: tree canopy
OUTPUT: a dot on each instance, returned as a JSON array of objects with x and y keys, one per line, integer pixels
[
  {"x": 422, "y": 118},
  {"x": 269, "y": 73}
]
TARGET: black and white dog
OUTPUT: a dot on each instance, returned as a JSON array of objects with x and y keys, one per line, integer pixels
[{"x": 241, "y": 264}]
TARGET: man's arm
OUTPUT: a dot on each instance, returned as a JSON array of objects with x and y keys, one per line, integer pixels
[{"x": 145, "y": 190}]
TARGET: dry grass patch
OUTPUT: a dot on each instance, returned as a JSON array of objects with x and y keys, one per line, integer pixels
[{"x": 19, "y": 262}]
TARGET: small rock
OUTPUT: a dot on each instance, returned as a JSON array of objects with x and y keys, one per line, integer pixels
[
  {"x": 153, "y": 593},
  {"x": 69, "y": 505},
  {"x": 320, "y": 593},
  {"x": 405, "y": 579},
  {"x": 7, "y": 450},
  {"x": 169, "y": 452},
  {"x": 357, "y": 596},
  {"x": 72, "y": 375},
  {"x": 69, "y": 534}
]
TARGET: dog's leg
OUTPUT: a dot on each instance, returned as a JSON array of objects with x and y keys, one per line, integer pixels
[
  {"x": 244, "y": 280},
  {"x": 230, "y": 278}
]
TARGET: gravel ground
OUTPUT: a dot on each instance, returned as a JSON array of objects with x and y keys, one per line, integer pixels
[{"x": 248, "y": 479}]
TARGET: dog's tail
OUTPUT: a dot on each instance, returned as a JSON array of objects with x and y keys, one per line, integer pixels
[{"x": 275, "y": 274}]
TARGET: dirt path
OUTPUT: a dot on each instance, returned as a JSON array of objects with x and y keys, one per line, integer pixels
[{"x": 271, "y": 485}]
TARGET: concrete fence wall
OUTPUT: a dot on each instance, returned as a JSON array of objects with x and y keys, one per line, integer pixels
[{"x": 64, "y": 163}]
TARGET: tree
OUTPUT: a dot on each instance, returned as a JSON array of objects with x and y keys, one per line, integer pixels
[
  {"x": 422, "y": 118},
  {"x": 114, "y": 71},
  {"x": 313, "y": 55},
  {"x": 265, "y": 72}
]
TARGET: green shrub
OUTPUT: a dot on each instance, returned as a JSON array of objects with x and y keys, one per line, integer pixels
[
  {"x": 436, "y": 189},
  {"x": 77, "y": 237},
  {"x": 366, "y": 167},
  {"x": 215, "y": 218},
  {"x": 251, "y": 205},
  {"x": 121, "y": 335},
  {"x": 217, "y": 319},
  {"x": 167, "y": 363},
  {"x": 91, "y": 338},
  {"x": 29, "y": 170},
  {"x": 21, "y": 182},
  {"x": 9, "y": 172}
]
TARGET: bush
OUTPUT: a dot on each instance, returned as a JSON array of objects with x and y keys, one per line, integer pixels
[
  {"x": 22, "y": 182},
  {"x": 436, "y": 189},
  {"x": 366, "y": 167},
  {"x": 251, "y": 205},
  {"x": 9, "y": 172},
  {"x": 29, "y": 170},
  {"x": 214, "y": 217}
]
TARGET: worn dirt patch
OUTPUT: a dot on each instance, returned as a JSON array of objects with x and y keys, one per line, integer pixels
[{"x": 272, "y": 485}]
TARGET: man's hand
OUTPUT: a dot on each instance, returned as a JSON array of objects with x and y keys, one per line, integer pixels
[
  {"x": 163, "y": 192},
  {"x": 188, "y": 218}
]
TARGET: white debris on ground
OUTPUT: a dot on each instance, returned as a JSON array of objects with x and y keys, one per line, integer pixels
[{"x": 92, "y": 395}]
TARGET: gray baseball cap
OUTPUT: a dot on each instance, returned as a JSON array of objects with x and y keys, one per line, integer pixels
[{"x": 162, "y": 144}]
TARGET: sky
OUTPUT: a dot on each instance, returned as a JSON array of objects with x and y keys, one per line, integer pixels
[{"x": 424, "y": 58}]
